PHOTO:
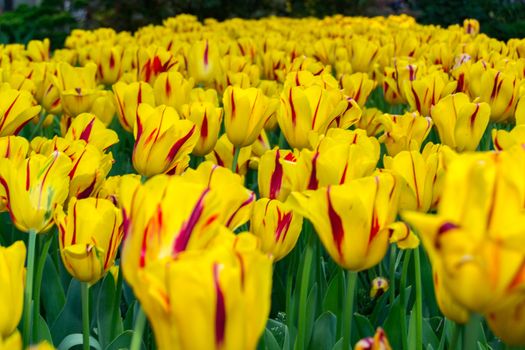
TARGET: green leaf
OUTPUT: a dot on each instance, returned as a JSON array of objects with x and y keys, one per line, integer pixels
[
  {"x": 392, "y": 325},
  {"x": 269, "y": 340},
  {"x": 69, "y": 320},
  {"x": 75, "y": 339},
  {"x": 311, "y": 305},
  {"x": 429, "y": 336},
  {"x": 325, "y": 329},
  {"x": 43, "y": 330},
  {"x": 363, "y": 326},
  {"x": 128, "y": 320},
  {"x": 333, "y": 299},
  {"x": 108, "y": 328},
  {"x": 123, "y": 341},
  {"x": 52, "y": 292}
]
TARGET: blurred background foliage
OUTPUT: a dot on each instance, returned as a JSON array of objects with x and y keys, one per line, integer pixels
[{"x": 502, "y": 19}]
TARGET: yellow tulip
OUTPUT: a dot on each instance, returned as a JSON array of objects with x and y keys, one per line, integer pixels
[
  {"x": 38, "y": 50},
  {"x": 104, "y": 107},
  {"x": 245, "y": 113},
  {"x": 153, "y": 61},
  {"x": 78, "y": 88},
  {"x": 404, "y": 132},
  {"x": 277, "y": 174},
  {"x": 110, "y": 188},
  {"x": 12, "y": 277},
  {"x": 460, "y": 123},
  {"x": 277, "y": 226},
  {"x": 34, "y": 188},
  {"x": 163, "y": 141},
  {"x": 89, "y": 128},
  {"x": 203, "y": 61},
  {"x": 500, "y": 91},
  {"x": 357, "y": 86},
  {"x": 12, "y": 342},
  {"x": 509, "y": 323},
  {"x": 89, "y": 236},
  {"x": 423, "y": 93},
  {"x": 171, "y": 89},
  {"x": 370, "y": 121},
  {"x": 471, "y": 26},
  {"x": 128, "y": 97},
  {"x": 378, "y": 342},
  {"x": 223, "y": 154},
  {"x": 356, "y": 221},
  {"x": 16, "y": 110},
  {"x": 15, "y": 148},
  {"x": 394, "y": 80},
  {"x": 208, "y": 119},
  {"x": 379, "y": 286},
  {"x": 504, "y": 140},
  {"x": 108, "y": 59}
]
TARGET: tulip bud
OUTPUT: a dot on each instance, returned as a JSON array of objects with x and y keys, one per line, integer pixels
[
  {"x": 471, "y": 26},
  {"x": 500, "y": 91},
  {"x": 277, "y": 225},
  {"x": 104, "y": 107},
  {"x": 38, "y": 50},
  {"x": 422, "y": 93},
  {"x": 208, "y": 119},
  {"x": 379, "y": 286},
  {"x": 203, "y": 61},
  {"x": 357, "y": 86},
  {"x": 163, "y": 141},
  {"x": 109, "y": 63},
  {"x": 128, "y": 97},
  {"x": 378, "y": 342},
  {"x": 78, "y": 88},
  {"x": 12, "y": 278},
  {"x": 171, "y": 89},
  {"x": 404, "y": 132}
]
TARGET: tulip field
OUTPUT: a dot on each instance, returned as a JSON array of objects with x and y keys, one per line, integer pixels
[{"x": 320, "y": 184}]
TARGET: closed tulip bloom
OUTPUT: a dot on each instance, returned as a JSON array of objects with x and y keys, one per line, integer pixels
[
  {"x": 479, "y": 218},
  {"x": 363, "y": 54},
  {"x": 47, "y": 92},
  {"x": 500, "y": 91},
  {"x": 34, "y": 188},
  {"x": 236, "y": 201},
  {"x": 171, "y": 89},
  {"x": 358, "y": 86},
  {"x": 471, "y": 26},
  {"x": 228, "y": 291},
  {"x": 104, "y": 107},
  {"x": 422, "y": 93},
  {"x": 277, "y": 175},
  {"x": 89, "y": 236},
  {"x": 504, "y": 139},
  {"x": 12, "y": 342},
  {"x": 128, "y": 97},
  {"x": 203, "y": 61},
  {"x": 460, "y": 123},
  {"x": 379, "y": 286},
  {"x": 15, "y": 148},
  {"x": 208, "y": 120},
  {"x": 223, "y": 154},
  {"x": 448, "y": 306},
  {"x": 204, "y": 96},
  {"x": 370, "y": 121},
  {"x": 89, "y": 128},
  {"x": 395, "y": 77},
  {"x": 404, "y": 132},
  {"x": 509, "y": 323},
  {"x": 305, "y": 111},
  {"x": 109, "y": 63},
  {"x": 277, "y": 225},
  {"x": 38, "y": 50},
  {"x": 16, "y": 110},
  {"x": 245, "y": 113},
  {"x": 110, "y": 188},
  {"x": 78, "y": 88},
  {"x": 12, "y": 277},
  {"x": 356, "y": 221},
  {"x": 162, "y": 140},
  {"x": 378, "y": 342}
]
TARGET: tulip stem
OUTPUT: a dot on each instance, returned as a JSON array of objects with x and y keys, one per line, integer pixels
[
  {"x": 348, "y": 311},
  {"x": 472, "y": 332},
  {"x": 85, "y": 315},
  {"x": 38, "y": 126},
  {"x": 419, "y": 300},
  {"x": 305, "y": 283},
  {"x": 236, "y": 152},
  {"x": 28, "y": 292},
  {"x": 392, "y": 274},
  {"x": 140, "y": 323},
  {"x": 41, "y": 262},
  {"x": 403, "y": 299},
  {"x": 455, "y": 336}
]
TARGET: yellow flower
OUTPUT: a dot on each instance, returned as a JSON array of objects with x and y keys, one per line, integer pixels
[
  {"x": 34, "y": 188},
  {"x": 370, "y": 121},
  {"x": 12, "y": 277},
  {"x": 203, "y": 61},
  {"x": 500, "y": 91},
  {"x": 404, "y": 132},
  {"x": 89, "y": 236},
  {"x": 379, "y": 286},
  {"x": 89, "y": 128},
  {"x": 378, "y": 342},
  {"x": 108, "y": 59},
  {"x": 356, "y": 221},
  {"x": 12, "y": 342},
  {"x": 223, "y": 153},
  {"x": 277, "y": 226},
  {"x": 163, "y": 141},
  {"x": 15, "y": 148},
  {"x": 128, "y": 97},
  {"x": 78, "y": 88},
  {"x": 509, "y": 323},
  {"x": 171, "y": 89},
  {"x": 393, "y": 82},
  {"x": 460, "y": 123},
  {"x": 208, "y": 119},
  {"x": 38, "y": 50},
  {"x": 357, "y": 86},
  {"x": 471, "y": 26},
  {"x": 277, "y": 174},
  {"x": 110, "y": 188},
  {"x": 504, "y": 140},
  {"x": 16, "y": 110},
  {"x": 104, "y": 107},
  {"x": 245, "y": 113},
  {"x": 422, "y": 93}
]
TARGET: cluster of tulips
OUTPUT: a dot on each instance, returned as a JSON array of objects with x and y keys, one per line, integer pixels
[{"x": 240, "y": 142}]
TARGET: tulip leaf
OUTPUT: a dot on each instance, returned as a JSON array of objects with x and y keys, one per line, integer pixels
[
  {"x": 123, "y": 341},
  {"x": 338, "y": 345},
  {"x": 43, "y": 330},
  {"x": 334, "y": 295},
  {"x": 412, "y": 329},
  {"x": 279, "y": 331},
  {"x": 429, "y": 336},
  {"x": 108, "y": 328},
  {"x": 53, "y": 296},
  {"x": 363, "y": 326},
  {"x": 69, "y": 320},
  {"x": 392, "y": 325},
  {"x": 128, "y": 320},
  {"x": 325, "y": 329},
  {"x": 270, "y": 343},
  {"x": 311, "y": 306},
  {"x": 75, "y": 339}
]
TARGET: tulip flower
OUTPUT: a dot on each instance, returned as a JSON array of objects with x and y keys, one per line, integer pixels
[
  {"x": 128, "y": 97},
  {"x": 78, "y": 88},
  {"x": 357, "y": 86},
  {"x": 12, "y": 277},
  {"x": 395, "y": 77},
  {"x": 356, "y": 221},
  {"x": 277, "y": 175},
  {"x": 204, "y": 96},
  {"x": 378, "y": 342},
  {"x": 509, "y": 324},
  {"x": 110, "y": 188},
  {"x": 479, "y": 219},
  {"x": 379, "y": 286},
  {"x": 15, "y": 148},
  {"x": 305, "y": 111},
  {"x": 208, "y": 119},
  {"x": 34, "y": 188},
  {"x": 504, "y": 140},
  {"x": 163, "y": 141},
  {"x": 277, "y": 225},
  {"x": 460, "y": 123},
  {"x": 38, "y": 50},
  {"x": 89, "y": 236},
  {"x": 245, "y": 113},
  {"x": 153, "y": 61},
  {"x": 499, "y": 90},
  {"x": 16, "y": 110},
  {"x": 224, "y": 153},
  {"x": 171, "y": 89},
  {"x": 104, "y": 107},
  {"x": 14, "y": 341},
  {"x": 404, "y": 132},
  {"x": 363, "y": 54},
  {"x": 423, "y": 93},
  {"x": 109, "y": 63},
  {"x": 471, "y": 26},
  {"x": 89, "y": 128},
  {"x": 370, "y": 121},
  {"x": 203, "y": 61},
  {"x": 236, "y": 201}
]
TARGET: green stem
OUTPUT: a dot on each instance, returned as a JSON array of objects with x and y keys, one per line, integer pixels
[
  {"x": 28, "y": 292},
  {"x": 348, "y": 311},
  {"x": 140, "y": 323},
  {"x": 303, "y": 294},
  {"x": 392, "y": 274},
  {"x": 472, "y": 332},
  {"x": 41, "y": 262},
  {"x": 454, "y": 342},
  {"x": 402, "y": 297},
  {"x": 236, "y": 152},
  {"x": 85, "y": 315},
  {"x": 419, "y": 300},
  {"x": 116, "y": 311},
  {"x": 38, "y": 126}
]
